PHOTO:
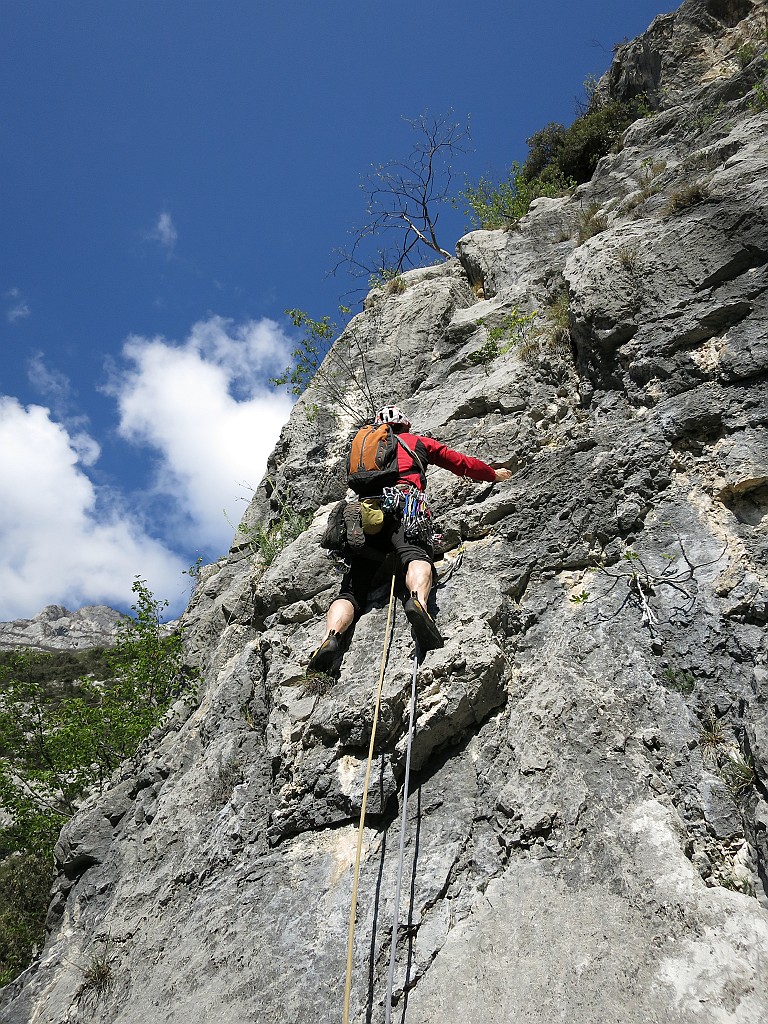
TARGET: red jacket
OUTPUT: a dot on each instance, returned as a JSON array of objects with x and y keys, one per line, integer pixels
[{"x": 434, "y": 453}]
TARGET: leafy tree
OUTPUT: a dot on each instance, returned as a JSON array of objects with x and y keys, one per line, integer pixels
[
  {"x": 25, "y": 882},
  {"x": 53, "y": 748},
  {"x": 57, "y": 671},
  {"x": 147, "y": 660},
  {"x": 309, "y": 353}
]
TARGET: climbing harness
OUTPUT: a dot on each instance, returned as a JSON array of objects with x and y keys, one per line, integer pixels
[
  {"x": 401, "y": 857},
  {"x": 356, "y": 877}
]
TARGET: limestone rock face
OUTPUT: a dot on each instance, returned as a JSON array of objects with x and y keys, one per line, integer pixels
[
  {"x": 57, "y": 629},
  {"x": 587, "y": 829}
]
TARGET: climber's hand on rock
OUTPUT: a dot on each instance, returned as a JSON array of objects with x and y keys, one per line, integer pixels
[{"x": 503, "y": 474}]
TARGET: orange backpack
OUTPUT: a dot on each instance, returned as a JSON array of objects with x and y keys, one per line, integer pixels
[{"x": 373, "y": 459}]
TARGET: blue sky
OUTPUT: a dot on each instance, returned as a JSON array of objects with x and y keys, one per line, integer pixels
[{"x": 174, "y": 176}]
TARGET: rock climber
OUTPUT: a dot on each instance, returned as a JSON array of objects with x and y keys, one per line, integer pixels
[{"x": 412, "y": 547}]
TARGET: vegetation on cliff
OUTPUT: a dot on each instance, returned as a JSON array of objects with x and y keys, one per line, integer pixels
[{"x": 61, "y": 734}]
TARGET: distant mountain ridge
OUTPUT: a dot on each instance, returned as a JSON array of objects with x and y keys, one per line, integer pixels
[{"x": 56, "y": 628}]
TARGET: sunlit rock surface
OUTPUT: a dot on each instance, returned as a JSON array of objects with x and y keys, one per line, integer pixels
[{"x": 588, "y": 824}]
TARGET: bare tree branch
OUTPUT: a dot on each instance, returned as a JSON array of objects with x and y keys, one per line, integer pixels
[
  {"x": 432, "y": 244},
  {"x": 403, "y": 201},
  {"x": 644, "y": 585}
]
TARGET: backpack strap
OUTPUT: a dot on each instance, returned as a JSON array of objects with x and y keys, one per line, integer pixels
[{"x": 417, "y": 461}]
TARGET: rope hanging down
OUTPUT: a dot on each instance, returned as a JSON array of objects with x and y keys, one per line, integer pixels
[
  {"x": 403, "y": 821},
  {"x": 398, "y": 886},
  {"x": 353, "y": 911}
]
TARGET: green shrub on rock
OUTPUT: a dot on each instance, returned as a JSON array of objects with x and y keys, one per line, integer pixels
[
  {"x": 559, "y": 159},
  {"x": 510, "y": 334},
  {"x": 500, "y": 205},
  {"x": 558, "y": 153}
]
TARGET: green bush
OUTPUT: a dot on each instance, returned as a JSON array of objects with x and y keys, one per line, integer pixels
[
  {"x": 680, "y": 680},
  {"x": 558, "y": 153},
  {"x": 511, "y": 333},
  {"x": 271, "y": 540},
  {"x": 746, "y": 54},
  {"x": 759, "y": 101},
  {"x": 266, "y": 542},
  {"x": 544, "y": 148},
  {"x": 559, "y": 158},
  {"x": 499, "y": 205}
]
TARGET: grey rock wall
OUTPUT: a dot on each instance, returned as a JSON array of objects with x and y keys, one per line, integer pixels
[{"x": 587, "y": 832}]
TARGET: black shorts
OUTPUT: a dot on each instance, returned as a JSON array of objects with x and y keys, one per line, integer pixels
[{"x": 366, "y": 564}]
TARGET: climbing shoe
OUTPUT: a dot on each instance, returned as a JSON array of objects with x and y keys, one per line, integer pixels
[
  {"x": 423, "y": 624},
  {"x": 325, "y": 655},
  {"x": 353, "y": 520}
]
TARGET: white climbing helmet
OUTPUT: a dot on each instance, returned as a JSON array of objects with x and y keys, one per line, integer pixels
[{"x": 391, "y": 414}]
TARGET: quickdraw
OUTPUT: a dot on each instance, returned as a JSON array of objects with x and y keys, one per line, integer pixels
[{"x": 411, "y": 504}]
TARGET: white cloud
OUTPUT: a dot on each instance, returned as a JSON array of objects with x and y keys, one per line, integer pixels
[
  {"x": 164, "y": 232},
  {"x": 19, "y": 308},
  {"x": 56, "y": 546},
  {"x": 87, "y": 448},
  {"x": 204, "y": 408},
  {"x": 51, "y": 383},
  {"x": 18, "y": 312},
  {"x": 57, "y": 390}
]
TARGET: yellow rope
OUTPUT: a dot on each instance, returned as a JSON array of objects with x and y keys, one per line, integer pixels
[{"x": 353, "y": 911}]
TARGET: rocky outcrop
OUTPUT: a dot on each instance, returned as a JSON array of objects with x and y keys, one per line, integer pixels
[
  {"x": 703, "y": 42},
  {"x": 57, "y": 629},
  {"x": 588, "y": 822}
]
